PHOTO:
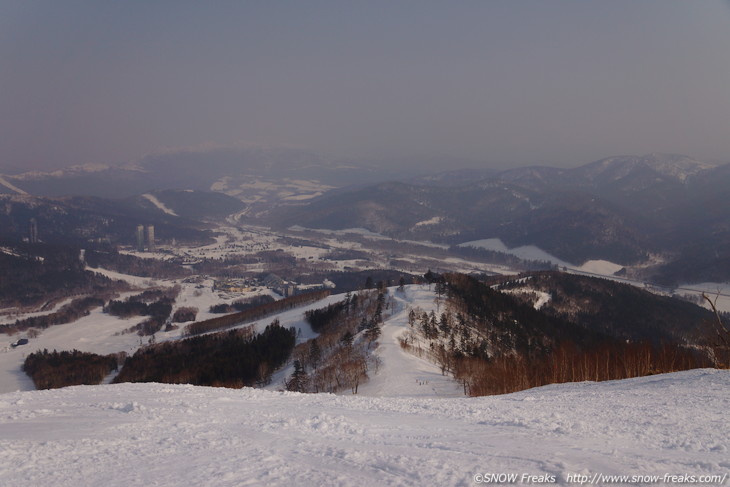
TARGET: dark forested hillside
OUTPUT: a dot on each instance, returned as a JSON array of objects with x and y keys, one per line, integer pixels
[
  {"x": 233, "y": 358},
  {"x": 197, "y": 205},
  {"x": 50, "y": 370},
  {"x": 44, "y": 273},
  {"x": 505, "y": 324},
  {"x": 130, "y": 264},
  {"x": 89, "y": 222},
  {"x": 616, "y": 309},
  {"x": 492, "y": 338},
  {"x": 620, "y": 209}
]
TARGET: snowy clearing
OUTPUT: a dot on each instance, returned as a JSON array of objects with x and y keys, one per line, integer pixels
[
  {"x": 171, "y": 435},
  {"x": 718, "y": 292},
  {"x": 525, "y": 252},
  {"x": 431, "y": 221},
  {"x": 541, "y": 297},
  {"x": 601, "y": 267},
  {"x": 531, "y": 252}
]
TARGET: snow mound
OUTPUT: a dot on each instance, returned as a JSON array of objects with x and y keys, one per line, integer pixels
[{"x": 165, "y": 435}]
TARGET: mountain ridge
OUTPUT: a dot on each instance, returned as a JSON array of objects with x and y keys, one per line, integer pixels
[{"x": 623, "y": 208}]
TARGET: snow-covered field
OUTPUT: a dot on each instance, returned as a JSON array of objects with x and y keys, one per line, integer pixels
[
  {"x": 104, "y": 334},
  {"x": 173, "y": 435},
  {"x": 531, "y": 252},
  {"x": 718, "y": 292},
  {"x": 526, "y": 252}
]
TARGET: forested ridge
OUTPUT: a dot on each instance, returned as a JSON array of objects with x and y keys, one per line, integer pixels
[
  {"x": 50, "y": 370},
  {"x": 45, "y": 273},
  {"x": 494, "y": 341},
  {"x": 233, "y": 358}
]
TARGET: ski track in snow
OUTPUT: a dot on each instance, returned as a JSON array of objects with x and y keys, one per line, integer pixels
[{"x": 400, "y": 373}]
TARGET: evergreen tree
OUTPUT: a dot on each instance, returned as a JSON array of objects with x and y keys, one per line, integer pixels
[
  {"x": 348, "y": 302},
  {"x": 363, "y": 324},
  {"x": 299, "y": 379},
  {"x": 429, "y": 276},
  {"x": 347, "y": 339},
  {"x": 444, "y": 324},
  {"x": 440, "y": 288},
  {"x": 378, "y": 315},
  {"x": 372, "y": 332},
  {"x": 315, "y": 354}
]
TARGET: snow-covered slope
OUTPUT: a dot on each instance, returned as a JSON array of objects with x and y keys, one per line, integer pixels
[
  {"x": 526, "y": 252},
  {"x": 159, "y": 204},
  {"x": 409, "y": 425},
  {"x": 400, "y": 373},
  {"x": 4, "y": 182},
  {"x": 165, "y": 435}
]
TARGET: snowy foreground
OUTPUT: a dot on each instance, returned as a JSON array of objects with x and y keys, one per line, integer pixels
[{"x": 160, "y": 435}]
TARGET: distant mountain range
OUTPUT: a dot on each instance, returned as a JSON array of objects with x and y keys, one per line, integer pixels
[
  {"x": 89, "y": 221},
  {"x": 665, "y": 209},
  {"x": 662, "y": 207},
  {"x": 223, "y": 169}
]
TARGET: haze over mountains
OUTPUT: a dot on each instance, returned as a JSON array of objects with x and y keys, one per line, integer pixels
[
  {"x": 665, "y": 208},
  {"x": 623, "y": 209}
]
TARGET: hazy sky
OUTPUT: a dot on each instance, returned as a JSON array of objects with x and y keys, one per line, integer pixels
[{"x": 501, "y": 82}]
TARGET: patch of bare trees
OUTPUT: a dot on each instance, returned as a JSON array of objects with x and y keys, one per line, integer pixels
[
  {"x": 721, "y": 345},
  {"x": 341, "y": 357},
  {"x": 568, "y": 363}
]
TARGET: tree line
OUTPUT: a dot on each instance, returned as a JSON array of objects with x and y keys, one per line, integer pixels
[
  {"x": 570, "y": 363},
  {"x": 255, "y": 313},
  {"x": 51, "y": 370},
  {"x": 68, "y": 313},
  {"x": 241, "y": 304},
  {"x": 233, "y": 358},
  {"x": 130, "y": 264},
  {"x": 155, "y": 303}
]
